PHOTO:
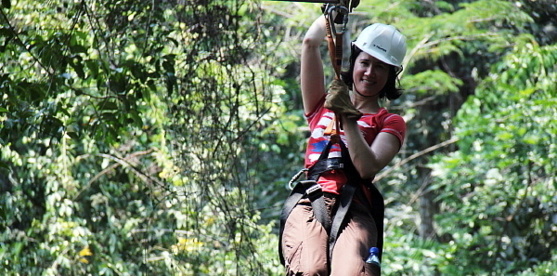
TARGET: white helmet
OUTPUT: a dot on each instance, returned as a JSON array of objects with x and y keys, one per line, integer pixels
[{"x": 383, "y": 42}]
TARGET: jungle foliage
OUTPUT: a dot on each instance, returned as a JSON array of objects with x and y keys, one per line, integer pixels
[{"x": 156, "y": 137}]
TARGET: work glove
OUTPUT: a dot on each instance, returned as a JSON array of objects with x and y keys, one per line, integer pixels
[{"x": 338, "y": 100}]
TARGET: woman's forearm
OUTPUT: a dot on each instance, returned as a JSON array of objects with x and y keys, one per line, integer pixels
[
  {"x": 369, "y": 160},
  {"x": 316, "y": 33},
  {"x": 362, "y": 157}
]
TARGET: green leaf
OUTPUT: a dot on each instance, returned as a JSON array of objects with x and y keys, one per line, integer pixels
[
  {"x": 6, "y": 4},
  {"x": 4, "y": 165},
  {"x": 73, "y": 135}
]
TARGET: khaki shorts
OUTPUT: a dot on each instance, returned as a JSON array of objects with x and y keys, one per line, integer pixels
[{"x": 305, "y": 242}]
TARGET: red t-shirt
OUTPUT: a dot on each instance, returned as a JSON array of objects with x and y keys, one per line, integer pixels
[{"x": 370, "y": 125}]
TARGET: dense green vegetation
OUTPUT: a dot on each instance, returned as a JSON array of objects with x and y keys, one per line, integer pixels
[{"x": 156, "y": 137}]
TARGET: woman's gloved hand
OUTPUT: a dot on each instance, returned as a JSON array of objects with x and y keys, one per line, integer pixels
[{"x": 338, "y": 100}]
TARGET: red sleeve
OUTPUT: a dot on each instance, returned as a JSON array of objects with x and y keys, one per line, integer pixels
[
  {"x": 316, "y": 108},
  {"x": 395, "y": 125}
]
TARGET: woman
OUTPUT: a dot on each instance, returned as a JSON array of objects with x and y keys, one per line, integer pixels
[{"x": 369, "y": 135}]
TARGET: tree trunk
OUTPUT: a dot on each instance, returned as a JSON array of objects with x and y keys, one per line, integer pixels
[{"x": 427, "y": 207}]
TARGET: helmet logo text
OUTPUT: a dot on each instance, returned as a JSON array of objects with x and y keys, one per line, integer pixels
[{"x": 380, "y": 48}]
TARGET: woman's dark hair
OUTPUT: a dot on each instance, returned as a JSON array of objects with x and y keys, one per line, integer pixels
[{"x": 390, "y": 91}]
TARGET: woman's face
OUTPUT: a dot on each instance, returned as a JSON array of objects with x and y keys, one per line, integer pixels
[{"x": 370, "y": 75}]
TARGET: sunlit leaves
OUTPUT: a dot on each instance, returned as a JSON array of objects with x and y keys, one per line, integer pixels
[
  {"x": 457, "y": 32},
  {"x": 432, "y": 82},
  {"x": 506, "y": 139},
  {"x": 88, "y": 90}
]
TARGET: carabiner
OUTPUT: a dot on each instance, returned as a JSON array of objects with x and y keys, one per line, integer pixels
[
  {"x": 295, "y": 177},
  {"x": 341, "y": 17}
]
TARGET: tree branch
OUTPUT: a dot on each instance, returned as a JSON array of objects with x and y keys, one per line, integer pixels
[{"x": 412, "y": 157}]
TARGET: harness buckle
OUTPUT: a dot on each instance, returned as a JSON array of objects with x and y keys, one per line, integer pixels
[
  {"x": 334, "y": 164},
  {"x": 314, "y": 188}
]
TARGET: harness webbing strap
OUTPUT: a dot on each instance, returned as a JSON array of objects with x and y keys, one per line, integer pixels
[
  {"x": 346, "y": 196},
  {"x": 312, "y": 190},
  {"x": 335, "y": 38},
  {"x": 333, "y": 50},
  {"x": 353, "y": 190},
  {"x": 344, "y": 203},
  {"x": 377, "y": 210},
  {"x": 338, "y": 48}
]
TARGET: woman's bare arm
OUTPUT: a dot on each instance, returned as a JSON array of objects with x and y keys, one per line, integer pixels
[
  {"x": 312, "y": 76},
  {"x": 367, "y": 160}
]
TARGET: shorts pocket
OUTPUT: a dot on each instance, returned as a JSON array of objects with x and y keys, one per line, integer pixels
[{"x": 292, "y": 263}]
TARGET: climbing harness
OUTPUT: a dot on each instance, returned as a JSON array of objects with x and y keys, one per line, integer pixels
[{"x": 311, "y": 190}]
